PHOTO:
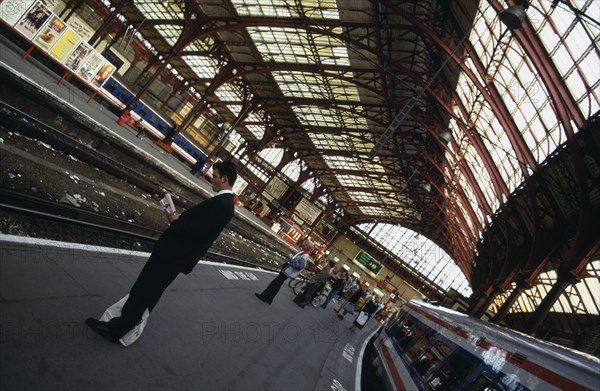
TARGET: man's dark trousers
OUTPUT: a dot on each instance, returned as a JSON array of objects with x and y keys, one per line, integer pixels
[
  {"x": 155, "y": 277},
  {"x": 271, "y": 291}
]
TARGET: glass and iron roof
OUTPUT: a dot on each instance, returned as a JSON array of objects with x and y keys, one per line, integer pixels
[{"x": 332, "y": 77}]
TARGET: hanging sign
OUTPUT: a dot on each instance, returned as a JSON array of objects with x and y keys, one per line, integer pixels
[
  {"x": 307, "y": 210},
  {"x": 367, "y": 263}
]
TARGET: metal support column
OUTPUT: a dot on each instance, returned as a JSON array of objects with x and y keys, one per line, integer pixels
[{"x": 565, "y": 279}]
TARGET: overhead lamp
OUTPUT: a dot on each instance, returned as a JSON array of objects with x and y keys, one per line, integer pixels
[
  {"x": 514, "y": 15},
  {"x": 426, "y": 186},
  {"x": 446, "y": 136}
]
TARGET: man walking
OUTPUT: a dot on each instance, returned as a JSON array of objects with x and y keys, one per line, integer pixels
[
  {"x": 176, "y": 251},
  {"x": 291, "y": 269}
]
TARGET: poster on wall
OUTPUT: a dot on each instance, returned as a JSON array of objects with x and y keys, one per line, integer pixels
[
  {"x": 33, "y": 20},
  {"x": 239, "y": 186},
  {"x": 276, "y": 187},
  {"x": 50, "y": 33},
  {"x": 65, "y": 45},
  {"x": 103, "y": 74},
  {"x": 81, "y": 27},
  {"x": 78, "y": 56},
  {"x": 12, "y": 10},
  {"x": 307, "y": 210},
  {"x": 90, "y": 66}
]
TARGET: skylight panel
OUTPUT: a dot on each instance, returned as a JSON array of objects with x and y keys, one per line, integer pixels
[
  {"x": 421, "y": 253},
  {"x": 362, "y": 197},
  {"x": 329, "y": 141},
  {"x": 351, "y": 180},
  {"x": 204, "y": 67},
  {"x": 320, "y": 116},
  {"x": 283, "y": 44},
  {"x": 264, "y": 8},
  {"x": 169, "y": 32},
  {"x": 235, "y": 109},
  {"x": 256, "y": 130},
  {"x": 320, "y": 9},
  {"x": 228, "y": 93},
  {"x": 158, "y": 11},
  {"x": 298, "y": 46},
  {"x": 342, "y": 163},
  {"x": 300, "y": 85}
]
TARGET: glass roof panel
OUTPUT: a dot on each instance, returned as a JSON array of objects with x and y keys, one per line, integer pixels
[
  {"x": 573, "y": 43},
  {"x": 362, "y": 197},
  {"x": 421, "y": 254},
  {"x": 298, "y": 46},
  {"x": 333, "y": 117},
  {"x": 256, "y": 130},
  {"x": 330, "y": 141},
  {"x": 351, "y": 181},
  {"x": 342, "y": 163},
  {"x": 229, "y": 93},
  {"x": 313, "y": 9},
  {"x": 320, "y": 9},
  {"x": 300, "y": 85},
  {"x": 264, "y": 8},
  {"x": 204, "y": 67},
  {"x": 159, "y": 10},
  {"x": 170, "y": 33}
]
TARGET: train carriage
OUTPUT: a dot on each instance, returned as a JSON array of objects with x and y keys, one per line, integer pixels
[
  {"x": 426, "y": 347},
  {"x": 119, "y": 96}
]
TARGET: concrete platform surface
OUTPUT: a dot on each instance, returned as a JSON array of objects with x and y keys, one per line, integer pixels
[{"x": 208, "y": 332}]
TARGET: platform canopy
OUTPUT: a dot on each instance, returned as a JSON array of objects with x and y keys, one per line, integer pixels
[{"x": 431, "y": 115}]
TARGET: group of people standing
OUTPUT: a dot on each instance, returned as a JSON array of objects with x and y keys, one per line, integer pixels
[{"x": 348, "y": 290}]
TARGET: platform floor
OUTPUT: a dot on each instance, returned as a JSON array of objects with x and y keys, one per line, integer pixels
[{"x": 208, "y": 332}]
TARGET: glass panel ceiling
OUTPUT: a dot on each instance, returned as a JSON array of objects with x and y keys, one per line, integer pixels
[
  {"x": 169, "y": 32},
  {"x": 299, "y": 46},
  {"x": 256, "y": 130},
  {"x": 421, "y": 254},
  {"x": 314, "y": 9},
  {"x": 313, "y": 86},
  {"x": 341, "y": 142},
  {"x": 204, "y": 67},
  {"x": 332, "y": 117},
  {"x": 159, "y": 10}
]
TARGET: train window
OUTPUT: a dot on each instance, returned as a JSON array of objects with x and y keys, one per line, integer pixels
[
  {"x": 482, "y": 383},
  {"x": 153, "y": 117},
  {"x": 110, "y": 85},
  {"x": 430, "y": 359},
  {"x": 144, "y": 111},
  {"x": 451, "y": 374},
  {"x": 418, "y": 340}
]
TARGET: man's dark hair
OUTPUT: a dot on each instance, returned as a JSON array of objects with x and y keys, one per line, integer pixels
[{"x": 227, "y": 168}]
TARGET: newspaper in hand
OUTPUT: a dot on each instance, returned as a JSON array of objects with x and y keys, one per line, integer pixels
[{"x": 167, "y": 203}]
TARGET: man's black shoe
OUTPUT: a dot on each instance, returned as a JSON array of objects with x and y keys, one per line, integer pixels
[
  {"x": 261, "y": 298},
  {"x": 101, "y": 328}
]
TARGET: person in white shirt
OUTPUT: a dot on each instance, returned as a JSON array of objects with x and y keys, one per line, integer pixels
[{"x": 291, "y": 269}]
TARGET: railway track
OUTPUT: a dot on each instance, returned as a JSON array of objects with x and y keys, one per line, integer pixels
[
  {"x": 113, "y": 163},
  {"x": 44, "y": 210}
]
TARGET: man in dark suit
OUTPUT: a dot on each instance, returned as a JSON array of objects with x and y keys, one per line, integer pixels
[{"x": 176, "y": 251}]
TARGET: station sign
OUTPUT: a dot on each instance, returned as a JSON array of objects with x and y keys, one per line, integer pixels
[{"x": 367, "y": 263}]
